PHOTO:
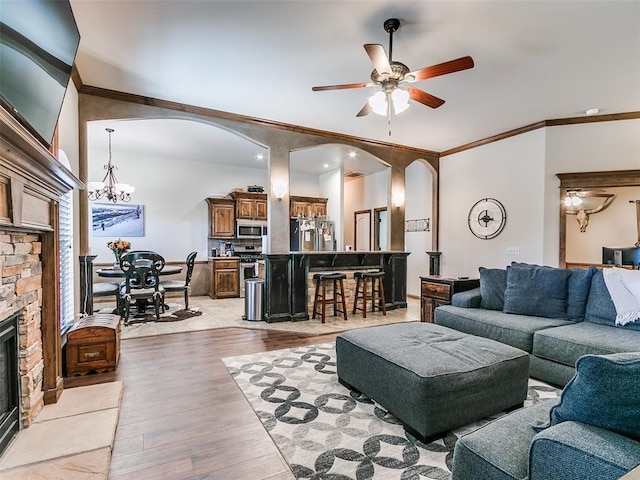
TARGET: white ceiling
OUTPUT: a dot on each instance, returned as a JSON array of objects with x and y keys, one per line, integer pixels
[{"x": 534, "y": 60}]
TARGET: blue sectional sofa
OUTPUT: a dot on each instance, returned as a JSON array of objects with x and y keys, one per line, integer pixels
[
  {"x": 592, "y": 433},
  {"x": 565, "y": 320},
  {"x": 556, "y": 315}
]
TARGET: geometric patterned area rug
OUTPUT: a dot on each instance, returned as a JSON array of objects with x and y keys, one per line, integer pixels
[{"x": 324, "y": 430}]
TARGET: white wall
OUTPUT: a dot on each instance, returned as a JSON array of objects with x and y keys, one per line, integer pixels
[
  {"x": 173, "y": 194},
  {"x": 511, "y": 171},
  {"x": 304, "y": 185},
  {"x": 68, "y": 140},
  {"x": 521, "y": 172},
  {"x": 364, "y": 193},
  {"x": 331, "y": 187},
  {"x": 418, "y": 190}
]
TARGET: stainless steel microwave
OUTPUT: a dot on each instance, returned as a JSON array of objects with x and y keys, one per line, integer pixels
[{"x": 250, "y": 229}]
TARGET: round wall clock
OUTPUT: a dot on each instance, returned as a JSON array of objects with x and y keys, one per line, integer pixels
[{"x": 487, "y": 218}]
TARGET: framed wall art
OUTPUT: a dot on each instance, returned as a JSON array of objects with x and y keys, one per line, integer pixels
[{"x": 117, "y": 220}]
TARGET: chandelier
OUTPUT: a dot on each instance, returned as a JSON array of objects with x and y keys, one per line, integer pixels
[{"x": 109, "y": 188}]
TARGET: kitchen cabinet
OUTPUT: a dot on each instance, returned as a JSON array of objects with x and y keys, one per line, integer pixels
[
  {"x": 223, "y": 279},
  {"x": 436, "y": 291},
  {"x": 307, "y": 206},
  {"x": 221, "y": 218},
  {"x": 250, "y": 206}
]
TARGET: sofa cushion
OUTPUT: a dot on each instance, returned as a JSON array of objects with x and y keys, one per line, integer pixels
[
  {"x": 578, "y": 286},
  {"x": 600, "y": 307},
  {"x": 578, "y": 450},
  {"x": 499, "y": 450},
  {"x": 538, "y": 291},
  {"x": 604, "y": 392},
  {"x": 567, "y": 343},
  {"x": 514, "y": 330},
  {"x": 493, "y": 283}
]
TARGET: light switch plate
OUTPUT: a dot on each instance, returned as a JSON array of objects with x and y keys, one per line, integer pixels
[{"x": 513, "y": 251}]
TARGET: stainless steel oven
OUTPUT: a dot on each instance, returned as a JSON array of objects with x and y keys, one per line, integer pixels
[
  {"x": 248, "y": 270},
  {"x": 248, "y": 266}
]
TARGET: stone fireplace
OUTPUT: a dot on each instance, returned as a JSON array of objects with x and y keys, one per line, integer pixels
[
  {"x": 21, "y": 295},
  {"x": 31, "y": 183}
]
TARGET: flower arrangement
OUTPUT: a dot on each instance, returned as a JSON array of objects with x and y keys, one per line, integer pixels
[{"x": 118, "y": 247}]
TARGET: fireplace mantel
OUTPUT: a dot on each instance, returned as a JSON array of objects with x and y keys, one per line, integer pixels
[{"x": 31, "y": 183}]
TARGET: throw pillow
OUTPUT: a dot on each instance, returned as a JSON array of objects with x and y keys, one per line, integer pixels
[
  {"x": 605, "y": 392},
  {"x": 537, "y": 291},
  {"x": 493, "y": 282},
  {"x": 578, "y": 287}
]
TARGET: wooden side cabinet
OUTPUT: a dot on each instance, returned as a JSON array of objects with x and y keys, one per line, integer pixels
[
  {"x": 221, "y": 218},
  {"x": 224, "y": 278},
  {"x": 436, "y": 291}
]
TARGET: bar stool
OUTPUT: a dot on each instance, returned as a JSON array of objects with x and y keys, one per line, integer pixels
[
  {"x": 375, "y": 293},
  {"x": 321, "y": 280}
]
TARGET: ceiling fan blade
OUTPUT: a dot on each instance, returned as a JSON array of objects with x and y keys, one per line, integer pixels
[
  {"x": 366, "y": 110},
  {"x": 378, "y": 58},
  {"x": 424, "y": 98},
  {"x": 451, "y": 66},
  {"x": 341, "y": 87}
]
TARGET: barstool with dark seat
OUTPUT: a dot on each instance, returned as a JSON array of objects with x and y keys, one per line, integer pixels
[
  {"x": 321, "y": 280},
  {"x": 374, "y": 293}
]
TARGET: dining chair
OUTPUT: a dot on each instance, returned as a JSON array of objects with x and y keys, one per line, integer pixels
[
  {"x": 106, "y": 289},
  {"x": 180, "y": 286},
  {"x": 142, "y": 272}
]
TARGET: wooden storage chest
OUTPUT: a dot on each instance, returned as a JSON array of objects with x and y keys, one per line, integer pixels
[{"x": 93, "y": 345}]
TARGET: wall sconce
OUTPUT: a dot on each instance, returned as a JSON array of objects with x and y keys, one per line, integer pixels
[
  {"x": 583, "y": 203},
  {"x": 398, "y": 199},
  {"x": 279, "y": 189}
]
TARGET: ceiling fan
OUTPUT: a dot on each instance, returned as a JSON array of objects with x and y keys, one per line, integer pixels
[{"x": 393, "y": 76}]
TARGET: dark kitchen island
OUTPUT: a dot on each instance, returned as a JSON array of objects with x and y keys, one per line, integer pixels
[{"x": 288, "y": 288}]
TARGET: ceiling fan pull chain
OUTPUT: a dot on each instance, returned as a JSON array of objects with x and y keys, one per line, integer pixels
[{"x": 388, "y": 111}]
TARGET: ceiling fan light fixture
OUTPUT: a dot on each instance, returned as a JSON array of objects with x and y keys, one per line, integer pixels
[
  {"x": 378, "y": 102},
  {"x": 400, "y": 100}
]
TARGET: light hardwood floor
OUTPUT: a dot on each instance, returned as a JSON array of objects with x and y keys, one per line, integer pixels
[{"x": 183, "y": 416}]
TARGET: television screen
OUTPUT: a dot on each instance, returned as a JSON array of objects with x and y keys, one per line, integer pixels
[
  {"x": 38, "y": 44},
  {"x": 627, "y": 256}
]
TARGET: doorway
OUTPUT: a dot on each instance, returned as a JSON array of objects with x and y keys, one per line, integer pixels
[
  {"x": 362, "y": 230},
  {"x": 380, "y": 228}
]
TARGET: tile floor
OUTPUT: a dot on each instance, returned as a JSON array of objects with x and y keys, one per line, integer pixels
[{"x": 69, "y": 440}]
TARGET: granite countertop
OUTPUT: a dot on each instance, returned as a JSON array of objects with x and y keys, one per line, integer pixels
[{"x": 341, "y": 252}]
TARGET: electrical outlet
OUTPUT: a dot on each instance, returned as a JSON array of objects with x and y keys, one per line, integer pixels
[{"x": 513, "y": 251}]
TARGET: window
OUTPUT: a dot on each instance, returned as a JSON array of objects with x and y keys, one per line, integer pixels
[{"x": 66, "y": 261}]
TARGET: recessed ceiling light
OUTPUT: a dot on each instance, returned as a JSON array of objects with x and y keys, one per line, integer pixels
[
  {"x": 326, "y": 165},
  {"x": 592, "y": 111},
  {"x": 352, "y": 154},
  {"x": 259, "y": 156}
]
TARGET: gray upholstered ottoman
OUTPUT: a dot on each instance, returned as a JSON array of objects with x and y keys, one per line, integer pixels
[{"x": 432, "y": 378}]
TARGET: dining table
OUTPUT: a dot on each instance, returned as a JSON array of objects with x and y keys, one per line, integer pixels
[
  {"x": 113, "y": 272},
  {"x": 141, "y": 305}
]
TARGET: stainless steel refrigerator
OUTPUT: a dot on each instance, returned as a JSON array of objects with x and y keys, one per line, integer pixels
[
  {"x": 303, "y": 235},
  {"x": 325, "y": 236}
]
